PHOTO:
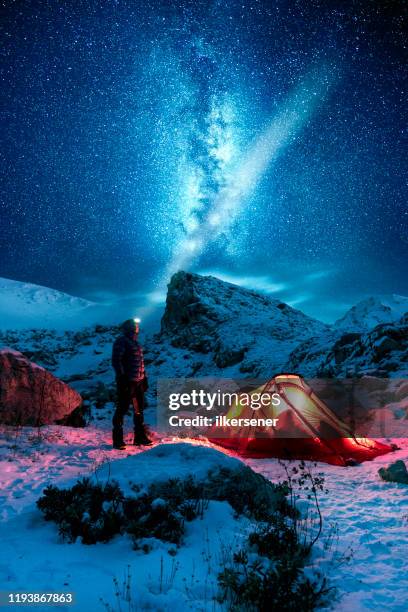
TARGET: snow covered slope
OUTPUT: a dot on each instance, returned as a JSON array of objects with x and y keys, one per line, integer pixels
[
  {"x": 372, "y": 311},
  {"x": 29, "y": 306},
  {"x": 24, "y": 305}
]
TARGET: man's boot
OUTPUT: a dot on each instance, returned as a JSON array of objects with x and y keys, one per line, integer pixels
[
  {"x": 140, "y": 437},
  {"x": 119, "y": 446},
  {"x": 117, "y": 428},
  {"x": 117, "y": 439}
]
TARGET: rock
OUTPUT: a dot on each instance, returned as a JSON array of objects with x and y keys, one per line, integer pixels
[
  {"x": 344, "y": 347},
  {"x": 189, "y": 320},
  {"x": 385, "y": 344},
  {"x": 30, "y": 395},
  {"x": 402, "y": 391},
  {"x": 42, "y": 356},
  {"x": 396, "y": 472},
  {"x": 77, "y": 418},
  {"x": 382, "y": 351},
  {"x": 102, "y": 394},
  {"x": 225, "y": 355},
  {"x": 227, "y": 324},
  {"x": 195, "y": 367}
]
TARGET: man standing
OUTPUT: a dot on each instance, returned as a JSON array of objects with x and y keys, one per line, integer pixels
[{"x": 131, "y": 382}]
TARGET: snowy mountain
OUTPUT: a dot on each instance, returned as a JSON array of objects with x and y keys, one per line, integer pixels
[
  {"x": 214, "y": 328},
  {"x": 24, "y": 305},
  {"x": 381, "y": 351},
  {"x": 28, "y": 306},
  {"x": 373, "y": 311},
  {"x": 371, "y": 338},
  {"x": 211, "y": 327}
]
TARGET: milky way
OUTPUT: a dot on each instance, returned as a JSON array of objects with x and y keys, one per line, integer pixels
[{"x": 259, "y": 140}]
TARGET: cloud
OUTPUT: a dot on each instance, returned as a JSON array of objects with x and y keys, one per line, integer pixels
[
  {"x": 313, "y": 276},
  {"x": 300, "y": 299},
  {"x": 265, "y": 284},
  {"x": 155, "y": 297}
]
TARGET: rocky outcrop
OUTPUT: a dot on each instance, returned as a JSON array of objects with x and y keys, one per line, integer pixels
[
  {"x": 30, "y": 395},
  {"x": 396, "y": 472},
  {"x": 229, "y": 327},
  {"x": 382, "y": 351},
  {"x": 212, "y": 328}
]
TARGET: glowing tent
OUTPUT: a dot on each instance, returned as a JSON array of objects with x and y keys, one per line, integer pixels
[{"x": 307, "y": 428}]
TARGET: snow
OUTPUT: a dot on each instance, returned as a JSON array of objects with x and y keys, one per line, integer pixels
[
  {"x": 372, "y": 520},
  {"x": 166, "y": 461},
  {"x": 32, "y": 556},
  {"x": 25, "y": 305},
  {"x": 371, "y": 516},
  {"x": 372, "y": 311}
]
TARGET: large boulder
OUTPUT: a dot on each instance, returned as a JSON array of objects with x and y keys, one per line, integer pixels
[{"x": 30, "y": 395}]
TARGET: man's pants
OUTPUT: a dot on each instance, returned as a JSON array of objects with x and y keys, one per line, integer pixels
[{"x": 128, "y": 392}]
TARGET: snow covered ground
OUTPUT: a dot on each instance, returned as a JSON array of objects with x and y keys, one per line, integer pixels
[
  {"x": 32, "y": 556},
  {"x": 371, "y": 517},
  {"x": 372, "y": 520}
]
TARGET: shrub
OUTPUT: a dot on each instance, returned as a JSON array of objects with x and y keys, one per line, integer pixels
[
  {"x": 176, "y": 491},
  {"x": 268, "y": 574},
  {"x": 146, "y": 518},
  {"x": 188, "y": 496},
  {"x": 96, "y": 513},
  {"x": 277, "y": 539},
  {"x": 90, "y": 511},
  {"x": 253, "y": 586},
  {"x": 248, "y": 493}
]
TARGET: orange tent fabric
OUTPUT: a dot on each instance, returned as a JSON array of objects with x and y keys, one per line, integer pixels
[{"x": 307, "y": 429}]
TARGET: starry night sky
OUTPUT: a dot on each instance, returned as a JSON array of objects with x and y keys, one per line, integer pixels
[{"x": 125, "y": 126}]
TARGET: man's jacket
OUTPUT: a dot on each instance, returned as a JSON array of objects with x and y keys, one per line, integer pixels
[{"x": 127, "y": 358}]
